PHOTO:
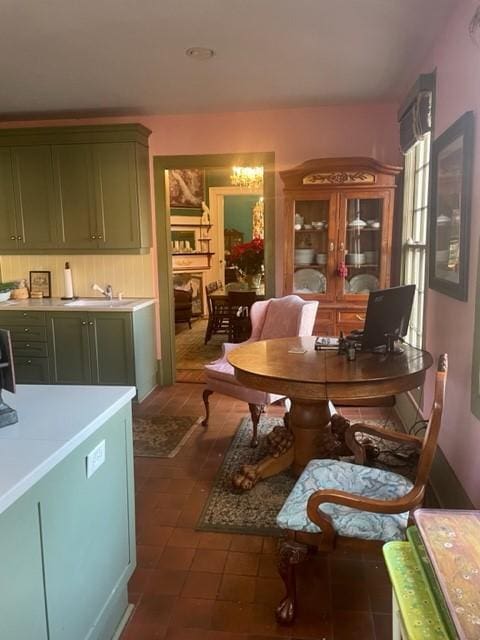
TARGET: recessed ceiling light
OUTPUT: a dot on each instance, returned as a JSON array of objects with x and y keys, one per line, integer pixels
[{"x": 199, "y": 53}]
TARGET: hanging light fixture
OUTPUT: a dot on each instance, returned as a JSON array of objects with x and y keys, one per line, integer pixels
[{"x": 249, "y": 177}]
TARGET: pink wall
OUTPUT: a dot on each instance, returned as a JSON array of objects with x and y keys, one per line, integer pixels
[
  {"x": 450, "y": 322},
  {"x": 295, "y": 135}
]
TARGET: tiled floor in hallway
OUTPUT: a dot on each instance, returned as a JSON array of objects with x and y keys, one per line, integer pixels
[{"x": 192, "y": 585}]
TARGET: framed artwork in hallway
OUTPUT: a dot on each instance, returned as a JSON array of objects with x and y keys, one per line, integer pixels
[{"x": 186, "y": 188}]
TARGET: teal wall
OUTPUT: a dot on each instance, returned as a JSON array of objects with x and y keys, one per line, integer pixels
[{"x": 238, "y": 214}]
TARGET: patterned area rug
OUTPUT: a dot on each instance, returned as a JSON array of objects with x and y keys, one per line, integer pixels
[
  {"x": 255, "y": 511},
  {"x": 190, "y": 350},
  {"x": 161, "y": 436}
]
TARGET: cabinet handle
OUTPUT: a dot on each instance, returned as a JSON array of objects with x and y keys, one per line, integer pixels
[
  {"x": 93, "y": 237},
  {"x": 19, "y": 237},
  {"x": 29, "y": 362},
  {"x": 27, "y": 330},
  {"x": 13, "y": 237},
  {"x": 331, "y": 246},
  {"x": 91, "y": 323},
  {"x": 358, "y": 316},
  {"x": 25, "y": 315},
  {"x": 100, "y": 237},
  {"x": 342, "y": 246},
  {"x": 84, "y": 322},
  {"x": 27, "y": 346}
]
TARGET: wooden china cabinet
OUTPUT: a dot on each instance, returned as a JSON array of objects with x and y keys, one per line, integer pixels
[{"x": 338, "y": 236}]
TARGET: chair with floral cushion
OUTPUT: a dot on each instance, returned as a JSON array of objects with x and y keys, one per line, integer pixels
[
  {"x": 275, "y": 318},
  {"x": 335, "y": 501}
]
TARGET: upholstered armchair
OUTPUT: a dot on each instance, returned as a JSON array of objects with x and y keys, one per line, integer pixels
[
  {"x": 334, "y": 502},
  {"x": 275, "y": 318}
]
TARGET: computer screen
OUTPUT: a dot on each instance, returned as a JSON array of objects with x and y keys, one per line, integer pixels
[
  {"x": 388, "y": 314},
  {"x": 7, "y": 372}
]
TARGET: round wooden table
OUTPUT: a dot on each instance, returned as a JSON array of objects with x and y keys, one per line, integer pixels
[{"x": 292, "y": 367}]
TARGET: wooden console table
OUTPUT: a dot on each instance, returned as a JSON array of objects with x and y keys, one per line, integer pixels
[{"x": 292, "y": 367}]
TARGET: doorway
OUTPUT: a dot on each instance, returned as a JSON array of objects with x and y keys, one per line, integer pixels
[{"x": 162, "y": 164}]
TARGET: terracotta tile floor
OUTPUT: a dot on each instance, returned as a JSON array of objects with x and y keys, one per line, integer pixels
[{"x": 192, "y": 585}]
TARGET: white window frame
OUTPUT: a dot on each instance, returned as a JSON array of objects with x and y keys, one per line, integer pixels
[{"x": 414, "y": 232}]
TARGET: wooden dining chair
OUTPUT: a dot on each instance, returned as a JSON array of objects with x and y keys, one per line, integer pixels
[
  {"x": 335, "y": 501},
  {"x": 218, "y": 313},
  {"x": 240, "y": 303}
]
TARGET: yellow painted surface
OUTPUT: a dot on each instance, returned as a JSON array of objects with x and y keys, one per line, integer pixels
[{"x": 131, "y": 274}]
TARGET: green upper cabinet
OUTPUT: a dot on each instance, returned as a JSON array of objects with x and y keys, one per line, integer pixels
[
  {"x": 116, "y": 195},
  {"x": 8, "y": 226},
  {"x": 75, "y": 195},
  {"x": 80, "y": 189},
  {"x": 34, "y": 200}
]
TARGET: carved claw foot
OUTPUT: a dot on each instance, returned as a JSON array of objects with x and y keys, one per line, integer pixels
[
  {"x": 285, "y": 612},
  {"x": 339, "y": 425},
  {"x": 279, "y": 440},
  {"x": 245, "y": 478},
  {"x": 290, "y": 554}
]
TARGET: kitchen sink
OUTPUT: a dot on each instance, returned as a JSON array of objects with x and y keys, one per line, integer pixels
[{"x": 95, "y": 302}]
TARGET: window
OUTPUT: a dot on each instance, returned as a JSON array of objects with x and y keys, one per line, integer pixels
[
  {"x": 415, "y": 118},
  {"x": 414, "y": 234}
]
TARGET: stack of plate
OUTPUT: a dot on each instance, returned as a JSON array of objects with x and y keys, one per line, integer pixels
[
  {"x": 304, "y": 256},
  {"x": 355, "y": 259}
]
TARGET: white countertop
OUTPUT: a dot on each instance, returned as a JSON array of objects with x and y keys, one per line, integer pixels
[
  {"x": 81, "y": 304},
  {"x": 52, "y": 421}
]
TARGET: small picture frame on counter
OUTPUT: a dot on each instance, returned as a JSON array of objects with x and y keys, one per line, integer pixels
[{"x": 41, "y": 282}]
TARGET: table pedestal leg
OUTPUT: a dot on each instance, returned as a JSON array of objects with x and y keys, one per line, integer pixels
[
  {"x": 310, "y": 425},
  {"x": 307, "y": 434}
]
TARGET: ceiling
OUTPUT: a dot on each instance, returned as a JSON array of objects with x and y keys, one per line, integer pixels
[{"x": 60, "y": 57}]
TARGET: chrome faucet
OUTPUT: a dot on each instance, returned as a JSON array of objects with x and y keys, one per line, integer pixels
[{"x": 107, "y": 292}]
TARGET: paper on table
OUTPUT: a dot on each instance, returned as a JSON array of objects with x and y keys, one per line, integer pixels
[{"x": 297, "y": 350}]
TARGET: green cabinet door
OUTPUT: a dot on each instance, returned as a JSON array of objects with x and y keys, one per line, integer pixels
[
  {"x": 75, "y": 195},
  {"x": 69, "y": 347},
  {"x": 87, "y": 534},
  {"x": 8, "y": 228},
  {"x": 34, "y": 197},
  {"x": 118, "y": 224},
  {"x": 111, "y": 348},
  {"x": 22, "y": 605}
]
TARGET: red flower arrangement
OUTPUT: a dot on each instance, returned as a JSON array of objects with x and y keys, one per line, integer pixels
[{"x": 249, "y": 256}]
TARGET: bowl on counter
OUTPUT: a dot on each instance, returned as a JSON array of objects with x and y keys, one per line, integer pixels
[
  {"x": 321, "y": 258},
  {"x": 4, "y": 296},
  {"x": 304, "y": 256},
  {"x": 319, "y": 225}
]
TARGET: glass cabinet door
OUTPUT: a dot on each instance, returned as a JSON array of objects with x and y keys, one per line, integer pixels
[
  {"x": 312, "y": 231},
  {"x": 361, "y": 252}
]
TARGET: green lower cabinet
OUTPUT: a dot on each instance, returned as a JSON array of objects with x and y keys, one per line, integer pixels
[
  {"x": 111, "y": 348},
  {"x": 67, "y": 547},
  {"x": 30, "y": 370},
  {"x": 75, "y": 347},
  {"x": 87, "y": 532},
  {"x": 22, "y": 605},
  {"x": 69, "y": 346}
]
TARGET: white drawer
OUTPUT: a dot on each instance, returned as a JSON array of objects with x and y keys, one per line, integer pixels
[{"x": 189, "y": 262}]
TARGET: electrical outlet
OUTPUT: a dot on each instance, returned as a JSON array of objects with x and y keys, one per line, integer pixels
[{"x": 95, "y": 458}]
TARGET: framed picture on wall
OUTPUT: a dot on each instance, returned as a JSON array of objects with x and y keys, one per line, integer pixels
[
  {"x": 40, "y": 282},
  {"x": 186, "y": 188},
  {"x": 452, "y": 160}
]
